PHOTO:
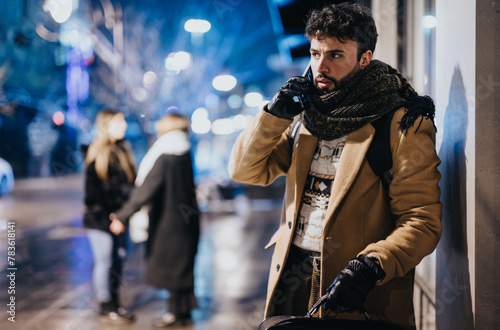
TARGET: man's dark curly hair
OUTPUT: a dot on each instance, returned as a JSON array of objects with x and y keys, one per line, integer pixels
[{"x": 344, "y": 21}]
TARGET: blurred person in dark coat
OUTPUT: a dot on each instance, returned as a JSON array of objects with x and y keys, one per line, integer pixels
[
  {"x": 169, "y": 191},
  {"x": 109, "y": 178}
]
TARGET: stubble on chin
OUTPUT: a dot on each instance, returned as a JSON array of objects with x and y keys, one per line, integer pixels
[
  {"x": 337, "y": 85},
  {"x": 325, "y": 90}
]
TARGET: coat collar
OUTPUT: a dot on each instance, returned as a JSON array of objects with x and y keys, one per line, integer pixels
[
  {"x": 353, "y": 155},
  {"x": 307, "y": 143}
]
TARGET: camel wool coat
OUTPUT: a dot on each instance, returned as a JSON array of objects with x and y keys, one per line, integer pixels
[{"x": 400, "y": 229}]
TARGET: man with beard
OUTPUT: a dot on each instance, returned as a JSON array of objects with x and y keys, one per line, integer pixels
[{"x": 343, "y": 234}]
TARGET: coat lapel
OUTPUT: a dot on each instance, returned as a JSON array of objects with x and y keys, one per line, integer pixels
[
  {"x": 308, "y": 144},
  {"x": 355, "y": 149}
]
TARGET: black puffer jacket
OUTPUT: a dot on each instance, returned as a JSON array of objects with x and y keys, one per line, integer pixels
[{"x": 103, "y": 198}]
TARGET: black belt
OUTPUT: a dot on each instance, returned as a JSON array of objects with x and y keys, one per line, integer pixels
[
  {"x": 306, "y": 253},
  {"x": 313, "y": 256}
]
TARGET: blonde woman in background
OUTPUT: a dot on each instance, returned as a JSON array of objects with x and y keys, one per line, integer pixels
[
  {"x": 109, "y": 179},
  {"x": 167, "y": 187}
]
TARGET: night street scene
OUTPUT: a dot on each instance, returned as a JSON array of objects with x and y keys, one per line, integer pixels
[
  {"x": 63, "y": 61},
  {"x": 108, "y": 107}
]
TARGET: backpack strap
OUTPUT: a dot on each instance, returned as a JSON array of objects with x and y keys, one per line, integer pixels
[{"x": 379, "y": 154}]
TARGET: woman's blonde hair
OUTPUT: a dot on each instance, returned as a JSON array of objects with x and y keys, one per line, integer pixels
[
  {"x": 171, "y": 123},
  {"x": 101, "y": 148}
]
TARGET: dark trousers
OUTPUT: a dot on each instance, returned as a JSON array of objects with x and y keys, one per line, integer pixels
[
  {"x": 298, "y": 288},
  {"x": 181, "y": 302}
]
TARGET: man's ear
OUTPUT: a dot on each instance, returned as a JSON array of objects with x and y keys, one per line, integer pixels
[{"x": 365, "y": 59}]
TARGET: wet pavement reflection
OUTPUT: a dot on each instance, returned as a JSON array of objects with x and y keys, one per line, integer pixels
[{"x": 49, "y": 286}]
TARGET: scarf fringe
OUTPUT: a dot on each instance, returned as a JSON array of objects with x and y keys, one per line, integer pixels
[
  {"x": 371, "y": 93},
  {"x": 417, "y": 106}
]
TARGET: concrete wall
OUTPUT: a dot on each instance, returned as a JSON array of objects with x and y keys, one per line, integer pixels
[
  {"x": 467, "y": 100},
  {"x": 487, "y": 190},
  {"x": 384, "y": 13}
]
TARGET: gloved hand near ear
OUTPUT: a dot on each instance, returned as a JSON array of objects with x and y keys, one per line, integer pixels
[
  {"x": 287, "y": 102},
  {"x": 352, "y": 285}
]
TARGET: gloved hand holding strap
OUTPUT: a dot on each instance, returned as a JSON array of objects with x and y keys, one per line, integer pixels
[{"x": 352, "y": 285}]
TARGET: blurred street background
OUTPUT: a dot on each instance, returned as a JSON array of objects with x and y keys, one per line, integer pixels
[
  {"x": 217, "y": 61},
  {"x": 61, "y": 61}
]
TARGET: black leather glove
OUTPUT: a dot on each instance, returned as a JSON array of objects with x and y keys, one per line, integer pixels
[
  {"x": 290, "y": 99},
  {"x": 352, "y": 285}
]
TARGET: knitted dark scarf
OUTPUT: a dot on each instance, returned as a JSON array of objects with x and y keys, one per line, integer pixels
[{"x": 371, "y": 93}]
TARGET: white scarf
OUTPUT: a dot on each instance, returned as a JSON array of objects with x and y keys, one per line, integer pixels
[{"x": 171, "y": 143}]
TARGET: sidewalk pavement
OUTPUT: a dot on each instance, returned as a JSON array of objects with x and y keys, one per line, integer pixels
[{"x": 51, "y": 284}]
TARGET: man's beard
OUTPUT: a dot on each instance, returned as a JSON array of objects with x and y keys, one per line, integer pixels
[{"x": 337, "y": 84}]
